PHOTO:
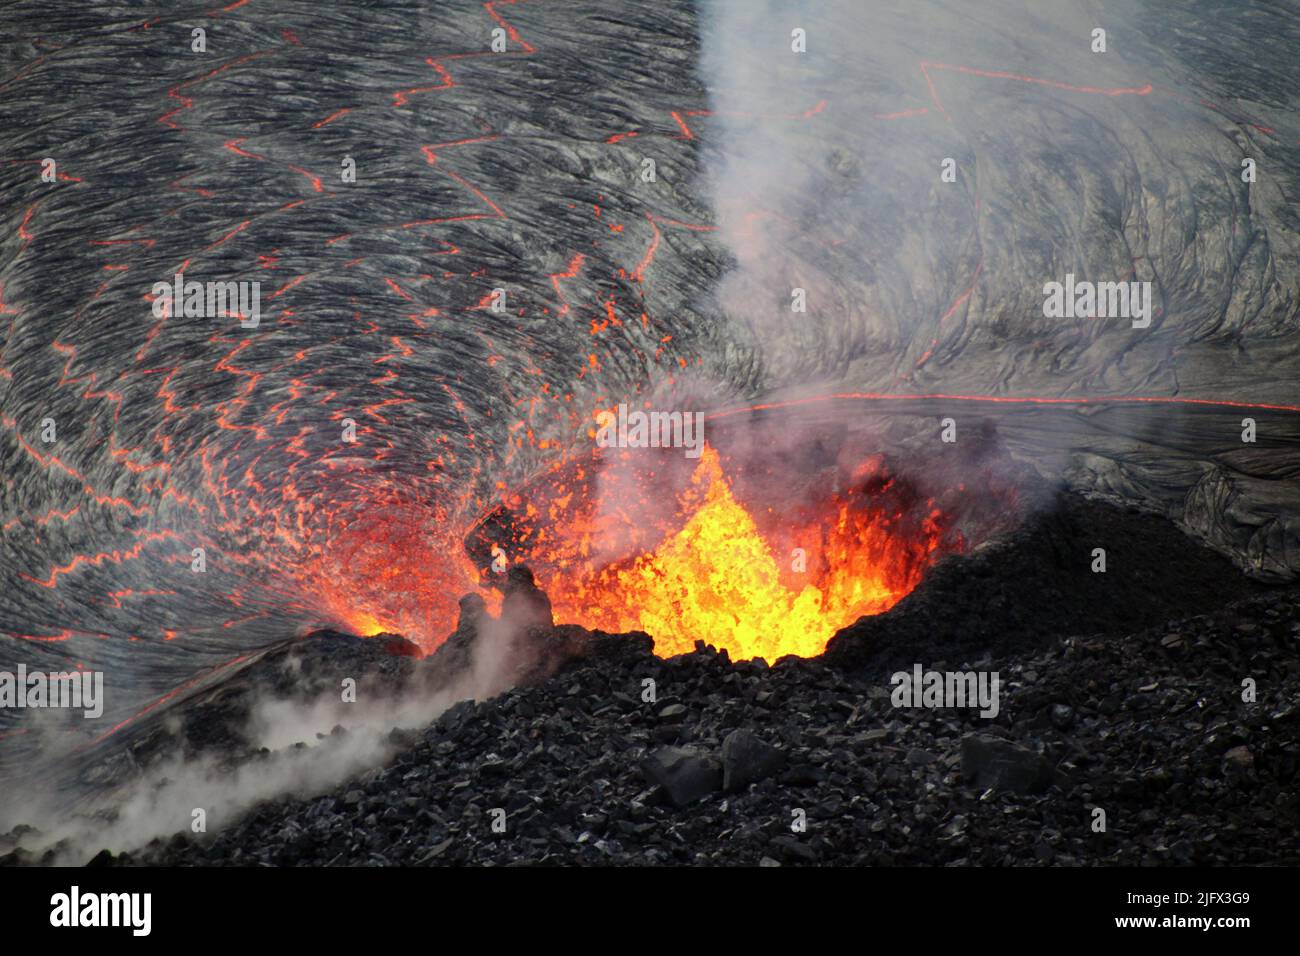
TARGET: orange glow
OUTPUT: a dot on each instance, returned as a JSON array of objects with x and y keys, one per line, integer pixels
[
  {"x": 365, "y": 625},
  {"x": 718, "y": 579},
  {"x": 387, "y": 572}
]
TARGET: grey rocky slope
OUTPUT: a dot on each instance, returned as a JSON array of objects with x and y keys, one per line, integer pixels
[{"x": 1143, "y": 718}]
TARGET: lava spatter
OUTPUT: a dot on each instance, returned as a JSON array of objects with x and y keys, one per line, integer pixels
[{"x": 718, "y": 579}]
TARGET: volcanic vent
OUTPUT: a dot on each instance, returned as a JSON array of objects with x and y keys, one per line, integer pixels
[{"x": 763, "y": 546}]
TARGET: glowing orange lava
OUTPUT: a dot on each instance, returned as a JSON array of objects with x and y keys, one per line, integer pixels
[
  {"x": 718, "y": 579},
  {"x": 387, "y": 571}
]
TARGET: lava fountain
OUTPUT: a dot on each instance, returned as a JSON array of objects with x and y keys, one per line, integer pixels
[
  {"x": 763, "y": 556},
  {"x": 720, "y": 579}
]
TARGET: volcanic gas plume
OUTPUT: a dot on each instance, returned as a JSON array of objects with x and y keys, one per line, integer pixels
[{"x": 560, "y": 206}]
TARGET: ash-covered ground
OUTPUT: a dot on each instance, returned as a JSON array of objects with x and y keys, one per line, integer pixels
[{"x": 1122, "y": 692}]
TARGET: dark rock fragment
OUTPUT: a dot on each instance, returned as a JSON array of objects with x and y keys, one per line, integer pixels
[
  {"x": 685, "y": 774},
  {"x": 1062, "y": 716},
  {"x": 793, "y": 849},
  {"x": 1238, "y": 759},
  {"x": 673, "y": 712},
  {"x": 746, "y": 760},
  {"x": 993, "y": 762},
  {"x": 526, "y": 606}
]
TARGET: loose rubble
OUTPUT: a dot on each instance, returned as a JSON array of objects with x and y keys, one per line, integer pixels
[{"x": 619, "y": 757}]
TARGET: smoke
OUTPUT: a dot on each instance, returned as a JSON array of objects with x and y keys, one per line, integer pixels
[
  {"x": 827, "y": 176},
  {"x": 311, "y": 746},
  {"x": 897, "y": 183}
]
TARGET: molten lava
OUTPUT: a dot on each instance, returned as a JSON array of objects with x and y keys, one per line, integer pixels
[
  {"x": 720, "y": 579},
  {"x": 387, "y": 571}
]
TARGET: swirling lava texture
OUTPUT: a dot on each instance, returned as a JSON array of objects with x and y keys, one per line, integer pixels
[
  {"x": 523, "y": 169},
  {"x": 475, "y": 171}
]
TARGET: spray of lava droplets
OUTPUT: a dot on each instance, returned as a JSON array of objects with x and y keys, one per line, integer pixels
[{"x": 716, "y": 576}]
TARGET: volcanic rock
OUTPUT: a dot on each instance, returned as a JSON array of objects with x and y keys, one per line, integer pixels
[
  {"x": 1062, "y": 716},
  {"x": 568, "y": 751},
  {"x": 793, "y": 849},
  {"x": 672, "y": 713},
  {"x": 746, "y": 760},
  {"x": 1022, "y": 588},
  {"x": 685, "y": 774},
  {"x": 564, "y": 766},
  {"x": 1239, "y": 759},
  {"x": 1000, "y": 764},
  {"x": 526, "y": 606},
  {"x": 454, "y": 656}
]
